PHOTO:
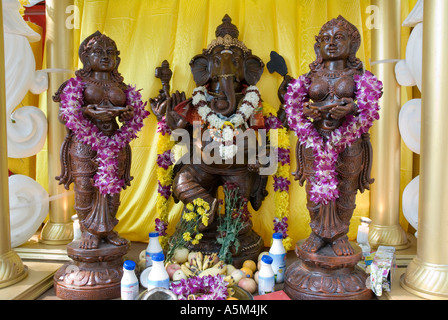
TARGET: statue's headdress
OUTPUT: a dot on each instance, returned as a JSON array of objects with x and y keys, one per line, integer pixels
[
  {"x": 227, "y": 36},
  {"x": 355, "y": 41},
  {"x": 83, "y": 51}
]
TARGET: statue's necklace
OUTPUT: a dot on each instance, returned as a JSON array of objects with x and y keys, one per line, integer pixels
[
  {"x": 225, "y": 129},
  {"x": 101, "y": 83}
]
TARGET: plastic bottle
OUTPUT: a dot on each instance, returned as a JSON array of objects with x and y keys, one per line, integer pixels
[
  {"x": 278, "y": 255},
  {"x": 152, "y": 248},
  {"x": 266, "y": 276},
  {"x": 129, "y": 281},
  {"x": 158, "y": 277}
]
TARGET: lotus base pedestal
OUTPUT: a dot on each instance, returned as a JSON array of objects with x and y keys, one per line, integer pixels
[
  {"x": 325, "y": 276},
  {"x": 93, "y": 274}
]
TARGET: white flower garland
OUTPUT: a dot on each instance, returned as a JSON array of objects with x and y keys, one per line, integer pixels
[{"x": 225, "y": 129}]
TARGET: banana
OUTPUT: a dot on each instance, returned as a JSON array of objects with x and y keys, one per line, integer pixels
[
  {"x": 230, "y": 280},
  {"x": 208, "y": 261},
  {"x": 219, "y": 264},
  {"x": 214, "y": 258},
  {"x": 195, "y": 270},
  {"x": 186, "y": 270},
  {"x": 194, "y": 263},
  {"x": 199, "y": 261},
  {"x": 223, "y": 269},
  {"x": 205, "y": 263},
  {"x": 210, "y": 272},
  {"x": 191, "y": 256}
]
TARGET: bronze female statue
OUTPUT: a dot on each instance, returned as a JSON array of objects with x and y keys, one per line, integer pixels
[
  {"x": 96, "y": 155},
  {"x": 225, "y": 100},
  {"x": 331, "y": 109}
]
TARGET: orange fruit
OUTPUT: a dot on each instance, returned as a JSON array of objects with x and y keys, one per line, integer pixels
[
  {"x": 250, "y": 264},
  {"x": 247, "y": 272},
  {"x": 231, "y": 298}
]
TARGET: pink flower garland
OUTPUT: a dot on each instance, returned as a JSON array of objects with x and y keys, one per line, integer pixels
[
  {"x": 107, "y": 148},
  {"x": 324, "y": 184}
]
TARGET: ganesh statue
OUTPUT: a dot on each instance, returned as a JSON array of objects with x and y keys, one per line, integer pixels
[
  {"x": 96, "y": 158},
  {"x": 331, "y": 109},
  {"x": 226, "y": 105}
]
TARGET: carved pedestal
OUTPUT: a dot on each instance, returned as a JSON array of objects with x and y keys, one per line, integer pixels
[
  {"x": 93, "y": 274},
  {"x": 325, "y": 276}
]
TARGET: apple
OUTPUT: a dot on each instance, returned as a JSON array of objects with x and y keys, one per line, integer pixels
[
  {"x": 248, "y": 284},
  {"x": 172, "y": 268}
]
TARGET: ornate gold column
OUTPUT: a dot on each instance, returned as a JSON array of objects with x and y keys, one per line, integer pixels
[
  {"x": 59, "y": 50},
  {"x": 386, "y": 140},
  {"x": 427, "y": 274},
  {"x": 12, "y": 269}
]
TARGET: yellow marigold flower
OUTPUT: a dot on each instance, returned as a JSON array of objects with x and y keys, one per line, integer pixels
[
  {"x": 188, "y": 216},
  {"x": 283, "y": 171},
  {"x": 165, "y": 175},
  {"x": 205, "y": 220},
  {"x": 201, "y": 211},
  {"x": 268, "y": 109},
  {"x": 194, "y": 242},
  {"x": 187, "y": 236},
  {"x": 198, "y": 236},
  {"x": 287, "y": 243},
  {"x": 199, "y": 202},
  {"x": 283, "y": 138},
  {"x": 190, "y": 206}
]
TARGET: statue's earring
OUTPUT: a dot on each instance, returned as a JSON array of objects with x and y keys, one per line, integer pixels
[
  {"x": 117, "y": 63},
  {"x": 86, "y": 64}
]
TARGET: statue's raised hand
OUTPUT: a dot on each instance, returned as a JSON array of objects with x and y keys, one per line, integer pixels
[
  {"x": 173, "y": 119},
  {"x": 159, "y": 104}
]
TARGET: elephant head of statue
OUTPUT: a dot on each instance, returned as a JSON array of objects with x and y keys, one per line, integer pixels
[{"x": 226, "y": 67}]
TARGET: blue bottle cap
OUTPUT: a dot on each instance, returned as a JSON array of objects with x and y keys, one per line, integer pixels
[
  {"x": 158, "y": 256},
  {"x": 277, "y": 235},
  {"x": 129, "y": 265},
  {"x": 153, "y": 234},
  {"x": 267, "y": 259}
]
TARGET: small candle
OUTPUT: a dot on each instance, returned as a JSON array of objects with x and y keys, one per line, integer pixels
[
  {"x": 363, "y": 231},
  {"x": 76, "y": 228}
]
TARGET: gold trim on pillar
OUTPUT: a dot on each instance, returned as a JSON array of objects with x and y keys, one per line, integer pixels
[
  {"x": 427, "y": 274},
  {"x": 386, "y": 140},
  {"x": 59, "y": 50},
  {"x": 12, "y": 269},
  {"x": 426, "y": 280}
]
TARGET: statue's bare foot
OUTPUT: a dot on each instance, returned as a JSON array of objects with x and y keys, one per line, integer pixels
[
  {"x": 211, "y": 216},
  {"x": 342, "y": 247},
  {"x": 114, "y": 239},
  {"x": 313, "y": 243},
  {"x": 89, "y": 240}
]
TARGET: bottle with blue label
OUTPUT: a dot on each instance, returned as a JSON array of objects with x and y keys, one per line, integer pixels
[
  {"x": 158, "y": 277},
  {"x": 129, "y": 282},
  {"x": 266, "y": 276},
  {"x": 153, "y": 247},
  {"x": 278, "y": 254}
]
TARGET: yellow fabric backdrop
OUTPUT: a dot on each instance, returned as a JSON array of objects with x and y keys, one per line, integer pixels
[{"x": 148, "y": 32}]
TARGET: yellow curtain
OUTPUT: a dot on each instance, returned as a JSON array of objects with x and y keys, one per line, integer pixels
[{"x": 148, "y": 32}]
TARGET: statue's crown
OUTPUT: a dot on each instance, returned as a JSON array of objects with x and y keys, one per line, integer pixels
[{"x": 227, "y": 36}]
